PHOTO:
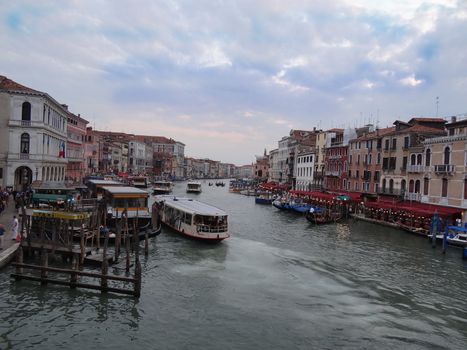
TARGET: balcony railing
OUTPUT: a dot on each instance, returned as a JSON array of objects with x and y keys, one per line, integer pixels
[
  {"x": 394, "y": 192},
  {"x": 444, "y": 168},
  {"x": 416, "y": 168},
  {"x": 24, "y": 156},
  {"x": 413, "y": 197},
  {"x": 25, "y": 123},
  {"x": 332, "y": 173}
]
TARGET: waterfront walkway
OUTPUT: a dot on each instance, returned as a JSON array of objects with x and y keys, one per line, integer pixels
[{"x": 9, "y": 246}]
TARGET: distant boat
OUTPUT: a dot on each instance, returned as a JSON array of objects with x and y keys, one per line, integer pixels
[
  {"x": 162, "y": 187},
  {"x": 281, "y": 204},
  {"x": 192, "y": 218},
  {"x": 193, "y": 187}
]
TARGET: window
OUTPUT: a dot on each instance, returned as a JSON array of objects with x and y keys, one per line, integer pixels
[
  {"x": 385, "y": 163},
  {"x": 391, "y": 186},
  {"x": 378, "y": 144},
  {"x": 447, "y": 155},
  {"x": 417, "y": 186},
  {"x": 386, "y": 144},
  {"x": 350, "y": 159},
  {"x": 384, "y": 185},
  {"x": 394, "y": 144},
  {"x": 444, "y": 189},
  {"x": 413, "y": 159},
  {"x": 26, "y": 111},
  {"x": 404, "y": 163},
  {"x": 419, "y": 159},
  {"x": 392, "y": 163},
  {"x": 406, "y": 142},
  {"x": 428, "y": 157},
  {"x": 403, "y": 185},
  {"x": 358, "y": 159},
  {"x": 379, "y": 159},
  {"x": 24, "y": 143},
  {"x": 426, "y": 183},
  {"x": 411, "y": 186},
  {"x": 1, "y": 173}
]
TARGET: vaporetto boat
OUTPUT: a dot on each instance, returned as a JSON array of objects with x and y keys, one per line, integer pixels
[
  {"x": 193, "y": 218},
  {"x": 193, "y": 187}
]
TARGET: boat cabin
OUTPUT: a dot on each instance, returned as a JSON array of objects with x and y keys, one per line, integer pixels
[
  {"x": 96, "y": 187},
  {"x": 138, "y": 181},
  {"x": 119, "y": 198},
  {"x": 193, "y": 186}
]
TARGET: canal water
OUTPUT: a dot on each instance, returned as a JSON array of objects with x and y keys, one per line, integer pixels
[{"x": 277, "y": 283}]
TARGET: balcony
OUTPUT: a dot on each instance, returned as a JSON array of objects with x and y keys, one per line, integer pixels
[
  {"x": 416, "y": 197},
  {"x": 387, "y": 191},
  {"x": 332, "y": 173},
  {"x": 445, "y": 169},
  {"x": 24, "y": 156},
  {"x": 416, "y": 168},
  {"x": 25, "y": 123}
]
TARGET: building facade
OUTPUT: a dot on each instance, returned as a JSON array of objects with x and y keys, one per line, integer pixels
[
  {"x": 33, "y": 136},
  {"x": 305, "y": 170},
  {"x": 75, "y": 150}
]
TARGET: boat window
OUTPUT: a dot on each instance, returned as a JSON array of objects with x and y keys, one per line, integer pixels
[
  {"x": 131, "y": 202},
  {"x": 188, "y": 218}
]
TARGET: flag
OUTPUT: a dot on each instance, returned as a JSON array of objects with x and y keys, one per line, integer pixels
[{"x": 61, "y": 152}]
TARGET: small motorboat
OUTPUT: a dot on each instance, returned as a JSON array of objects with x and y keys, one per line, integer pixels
[
  {"x": 265, "y": 198},
  {"x": 281, "y": 204}
]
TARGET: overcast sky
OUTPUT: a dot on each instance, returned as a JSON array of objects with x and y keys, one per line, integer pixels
[{"x": 230, "y": 78}]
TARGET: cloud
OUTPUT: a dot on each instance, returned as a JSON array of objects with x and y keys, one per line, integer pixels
[
  {"x": 233, "y": 70},
  {"x": 411, "y": 81}
]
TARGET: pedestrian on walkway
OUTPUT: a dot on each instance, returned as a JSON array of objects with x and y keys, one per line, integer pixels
[
  {"x": 14, "y": 228},
  {"x": 2, "y": 233}
]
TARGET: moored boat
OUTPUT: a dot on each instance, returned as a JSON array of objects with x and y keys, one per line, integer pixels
[
  {"x": 281, "y": 204},
  {"x": 319, "y": 216},
  {"x": 162, "y": 187},
  {"x": 264, "y": 198},
  {"x": 192, "y": 218},
  {"x": 132, "y": 203}
]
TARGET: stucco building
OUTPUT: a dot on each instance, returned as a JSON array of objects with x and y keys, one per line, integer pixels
[{"x": 33, "y": 136}]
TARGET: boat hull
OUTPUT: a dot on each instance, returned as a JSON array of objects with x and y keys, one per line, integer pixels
[
  {"x": 160, "y": 191},
  {"x": 263, "y": 201},
  {"x": 197, "y": 237}
]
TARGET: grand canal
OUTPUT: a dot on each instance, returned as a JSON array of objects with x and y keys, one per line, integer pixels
[{"x": 277, "y": 283}]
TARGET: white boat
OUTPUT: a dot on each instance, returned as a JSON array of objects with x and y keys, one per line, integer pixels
[
  {"x": 192, "y": 218},
  {"x": 193, "y": 187},
  {"x": 162, "y": 187},
  {"x": 139, "y": 181}
]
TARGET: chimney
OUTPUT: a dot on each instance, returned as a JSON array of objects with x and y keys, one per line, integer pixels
[{"x": 453, "y": 119}]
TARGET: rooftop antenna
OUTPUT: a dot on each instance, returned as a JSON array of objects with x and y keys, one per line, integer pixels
[{"x": 437, "y": 106}]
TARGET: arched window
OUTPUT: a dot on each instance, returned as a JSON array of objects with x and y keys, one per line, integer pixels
[
  {"x": 384, "y": 185},
  {"x": 411, "y": 186},
  {"x": 412, "y": 159},
  {"x": 419, "y": 159},
  {"x": 26, "y": 111},
  {"x": 428, "y": 157},
  {"x": 426, "y": 183},
  {"x": 447, "y": 155},
  {"x": 417, "y": 186},
  {"x": 403, "y": 185},
  {"x": 391, "y": 186},
  {"x": 24, "y": 143}
]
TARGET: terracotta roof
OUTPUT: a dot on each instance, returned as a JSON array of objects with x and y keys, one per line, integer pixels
[
  {"x": 427, "y": 120},
  {"x": 335, "y": 130},
  {"x": 10, "y": 85},
  {"x": 375, "y": 134},
  {"x": 424, "y": 129}
]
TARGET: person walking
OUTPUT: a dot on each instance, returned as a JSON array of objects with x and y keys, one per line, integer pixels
[
  {"x": 14, "y": 228},
  {"x": 2, "y": 232}
]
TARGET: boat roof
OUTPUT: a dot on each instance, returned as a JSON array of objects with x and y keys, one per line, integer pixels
[
  {"x": 162, "y": 182},
  {"x": 105, "y": 182},
  {"x": 192, "y": 206},
  {"x": 124, "y": 190},
  {"x": 193, "y": 183}
]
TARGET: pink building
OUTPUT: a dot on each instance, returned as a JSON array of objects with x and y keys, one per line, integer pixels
[{"x": 76, "y": 130}]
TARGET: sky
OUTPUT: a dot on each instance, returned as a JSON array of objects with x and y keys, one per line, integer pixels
[{"x": 230, "y": 78}]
